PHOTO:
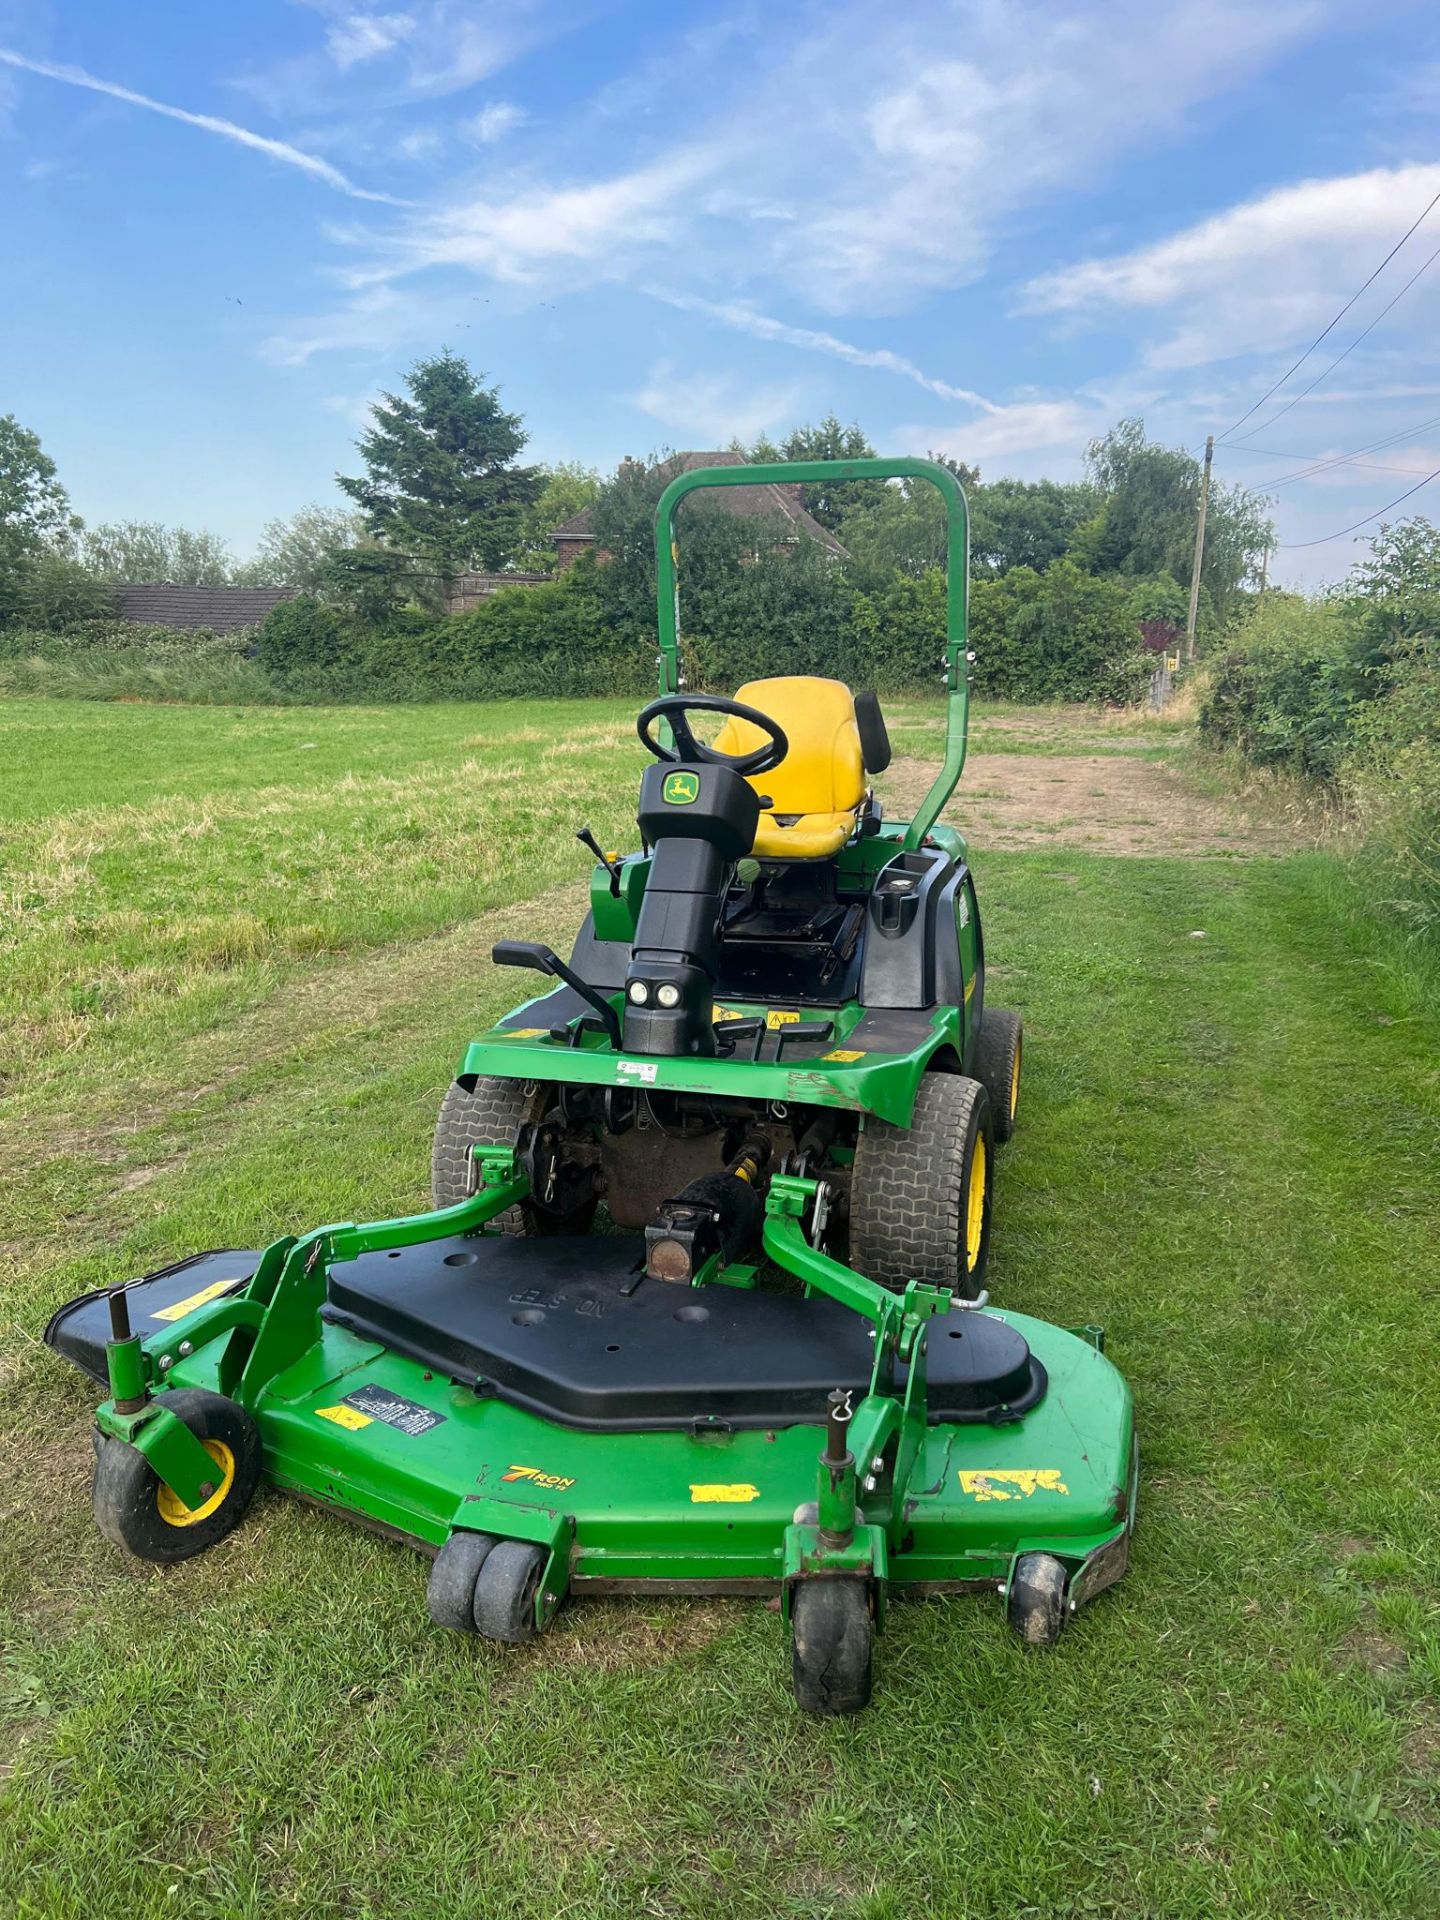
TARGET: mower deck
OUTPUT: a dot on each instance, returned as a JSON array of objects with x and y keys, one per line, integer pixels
[{"x": 420, "y": 1409}]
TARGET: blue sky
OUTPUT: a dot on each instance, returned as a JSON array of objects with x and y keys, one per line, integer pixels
[{"x": 990, "y": 227}]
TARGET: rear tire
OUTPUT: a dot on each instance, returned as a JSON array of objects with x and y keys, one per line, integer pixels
[
  {"x": 998, "y": 1054},
  {"x": 833, "y": 1645},
  {"x": 920, "y": 1195},
  {"x": 491, "y": 1114}
]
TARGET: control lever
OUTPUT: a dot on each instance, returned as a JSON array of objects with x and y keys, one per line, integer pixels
[
  {"x": 533, "y": 953},
  {"x": 587, "y": 839}
]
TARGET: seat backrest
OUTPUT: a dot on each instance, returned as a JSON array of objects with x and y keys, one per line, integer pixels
[{"x": 824, "y": 770}]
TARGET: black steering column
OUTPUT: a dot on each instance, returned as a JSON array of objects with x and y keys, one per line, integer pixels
[{"x": 699, "y": 814}]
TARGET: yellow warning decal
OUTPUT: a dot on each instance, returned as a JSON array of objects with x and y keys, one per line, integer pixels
[
  {"x": 189, "y": 1304},
  {"x": 1012, "y": 1483},
  {"x": 350, "y": 1417},
  {"x": 520, "y": 1033},
  {"x": 778, "y": 1017},
  {"x": 845, "y": 1053},
  {"x": 728, "y": 1013},
  {"x": 555, "y": 1481},
  {"x": 713, "y": 1493},
  {"x": 969, "y": 989}
]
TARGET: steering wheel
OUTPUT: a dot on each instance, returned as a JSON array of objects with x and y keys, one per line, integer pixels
[{"x": 673, "y": 707}]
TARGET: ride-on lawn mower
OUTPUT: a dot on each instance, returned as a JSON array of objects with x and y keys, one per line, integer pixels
[{"x": 770, "y": 1058}]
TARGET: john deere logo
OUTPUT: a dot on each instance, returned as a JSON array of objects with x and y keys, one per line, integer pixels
[{"x": 681, "y": 788}]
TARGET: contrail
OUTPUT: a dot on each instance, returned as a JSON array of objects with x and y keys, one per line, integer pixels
[
  {"x": 207, "y": 122},
  {"x": 763, "y": 327}
]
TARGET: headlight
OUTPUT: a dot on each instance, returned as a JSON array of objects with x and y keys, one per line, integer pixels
[
  {"x": 668, "y": 996},
  {"x": 639, "y": 992}
]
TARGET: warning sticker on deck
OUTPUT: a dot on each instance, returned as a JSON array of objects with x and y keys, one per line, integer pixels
[
  {"x": 723, "y": 1493},
  {"x": 378, "y": 1403},
  {"x": 350, "y": 1418},
  {"x": 1012, "y": 1483},
  {"x": 205, "y": 1295}
]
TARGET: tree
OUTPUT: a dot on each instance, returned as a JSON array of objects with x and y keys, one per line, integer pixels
[
  {"x": 566, "y": 489},
  {"x": 34, "y": 509},
  {"x": 830, "y": 504},
  {"x": 58, "y": 592},
  {"x": 441, "y": 491},
  {"x": 297, "y": 552},
  {"x": 1145, "y": 523},
  {"x": 129, "y": 552},
  {"x": 1024, "y": 523}
]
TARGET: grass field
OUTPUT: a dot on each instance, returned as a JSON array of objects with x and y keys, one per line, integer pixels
[{"x": 242, "y": 951}]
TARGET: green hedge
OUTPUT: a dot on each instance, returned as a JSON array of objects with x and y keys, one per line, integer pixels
[
  {"x": 1060, "y": 635},
  {"x": 1346, "y": 692}
]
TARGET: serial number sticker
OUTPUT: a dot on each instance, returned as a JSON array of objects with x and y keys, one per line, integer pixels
[
  {"x": 350, "y": 1418},
  {"x": 637, "y": 1069},
  {"x": 189, "y": 1304},
  {"x": 556, "y": 1481},
  {"x": 777, "y": 1017},
  {"x": 1012, "y": 1483},
  {"x": 845, "y": 1054},
  {"x": 407, "y": 1416},
  {"x": 729, "y": 1494}
]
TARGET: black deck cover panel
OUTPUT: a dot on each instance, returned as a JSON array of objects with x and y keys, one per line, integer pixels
[
  {"x": 81, "y": 1328},
  {"x": 546, "y": 1324}
]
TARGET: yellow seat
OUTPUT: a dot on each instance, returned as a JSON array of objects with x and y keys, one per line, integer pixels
[{"x": 816, "y": 791}]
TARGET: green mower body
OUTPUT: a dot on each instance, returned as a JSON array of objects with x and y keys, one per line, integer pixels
[{"x": 769, "y": 1365}]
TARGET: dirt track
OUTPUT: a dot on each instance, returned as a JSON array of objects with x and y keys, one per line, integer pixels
[{"x": 1113, "y": 802}]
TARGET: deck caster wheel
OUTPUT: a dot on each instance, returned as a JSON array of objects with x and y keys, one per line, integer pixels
[
  {"x": 133, "y": 1507},
  {"x": 505, "y": 1592},
  {"x": 1035, "y": 1605},
  {"x": 834, "y": 1638},
  {"x": 450, "y": 1596}
]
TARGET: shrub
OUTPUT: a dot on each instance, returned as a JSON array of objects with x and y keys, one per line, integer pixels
[
  {"x": 1058, "y": 635},
  {"x": 1286, "y": 693}
]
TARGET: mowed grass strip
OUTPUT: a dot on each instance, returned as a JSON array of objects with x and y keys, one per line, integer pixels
[{"x": 1227, "y": 1154}]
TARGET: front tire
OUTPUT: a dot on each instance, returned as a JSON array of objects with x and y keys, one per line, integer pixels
[
  {"x": 135, "y": 1510},
  {"x": 491, "y": 1114},
  {"x": 920, "y": 1195}
]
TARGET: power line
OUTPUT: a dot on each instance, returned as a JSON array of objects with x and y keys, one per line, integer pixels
[
  {"x": 1337, "y": 460},
  {"x": 1322, "y": 463},
  {"x": 1333, "y": 324},
  {"x": 1353, "y": 344},
  {"x": 1293, "y": 546}
]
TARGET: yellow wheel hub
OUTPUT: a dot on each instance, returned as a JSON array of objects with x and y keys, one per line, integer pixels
[
  {"x": 975, "y": 1213},
  {"x": 173, "y": 1510},
  {"x": 1015, "y": 1081}
]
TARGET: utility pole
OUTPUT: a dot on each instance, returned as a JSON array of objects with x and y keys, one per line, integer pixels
[{"x": 1199, "y": 548}]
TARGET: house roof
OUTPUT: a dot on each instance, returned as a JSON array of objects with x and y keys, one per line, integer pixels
[
  {"x": 223, "y": 609},
  {"x": 768, "y": 500}
]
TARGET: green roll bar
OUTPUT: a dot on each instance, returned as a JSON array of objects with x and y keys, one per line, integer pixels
[{"x": 956, "y": 660}]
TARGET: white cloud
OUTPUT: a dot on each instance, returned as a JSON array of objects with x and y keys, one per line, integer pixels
[
  {"x": 492, "y": 123},
  {"x": 421, "y": 144},
  {"x": 1258, "y": 275},
  {"x": 208, "y": 123},
  {"x": 1026, "y": 426},
  {"x": 364, "y": 36},
  {"x": 812, "y": 340},
  {"x": 599, "y": 226},
  {"x": 710, "y": 412}
]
